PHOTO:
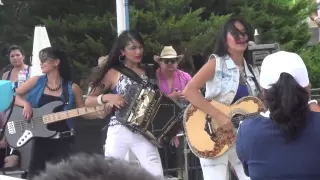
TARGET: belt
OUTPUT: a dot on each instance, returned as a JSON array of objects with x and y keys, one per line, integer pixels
[{"x": 64, "y": 134}]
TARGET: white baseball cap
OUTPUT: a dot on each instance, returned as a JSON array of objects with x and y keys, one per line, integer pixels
[{"x": 283, "y": 62}]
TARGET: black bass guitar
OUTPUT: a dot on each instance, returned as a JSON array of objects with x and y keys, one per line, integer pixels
[{"x": 19, "y": 131}]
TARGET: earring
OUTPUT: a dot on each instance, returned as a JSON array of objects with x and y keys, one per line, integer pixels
[{"x": 121, "y": 58}]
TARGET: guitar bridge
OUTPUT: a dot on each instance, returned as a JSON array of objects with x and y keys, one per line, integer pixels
[{"x": 27, "y": 135}]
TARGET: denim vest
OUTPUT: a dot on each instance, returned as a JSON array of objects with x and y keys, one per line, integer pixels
[
  {"x": 224, "y": 84},
  {"x": 36, "y": 92}
]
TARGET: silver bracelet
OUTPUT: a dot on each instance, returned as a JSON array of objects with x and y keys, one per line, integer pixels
[
  {"x": 312, "y": 101},
  {"x": 99, "y": 99}
]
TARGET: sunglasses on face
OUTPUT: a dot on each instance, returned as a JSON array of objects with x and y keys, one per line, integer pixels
[
  {"x": 169, "y": 61},
  {"x": 44, "y": 57},
  {"x": 45, "y": 60}
]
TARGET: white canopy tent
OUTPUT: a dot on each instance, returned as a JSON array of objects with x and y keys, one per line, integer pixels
[{"x": 40, "y": 41}]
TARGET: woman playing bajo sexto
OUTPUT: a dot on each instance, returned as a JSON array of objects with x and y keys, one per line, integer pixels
[
  {"x": 54, "y": 85},
  {"x": 127, "y": 50},
  {"x": 228, "y": 77}
]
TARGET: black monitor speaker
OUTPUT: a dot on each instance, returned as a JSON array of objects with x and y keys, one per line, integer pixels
[{"x": 257, "y": 52}]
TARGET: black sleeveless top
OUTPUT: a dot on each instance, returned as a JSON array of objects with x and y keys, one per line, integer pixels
[{"x": 57, "y": 126}]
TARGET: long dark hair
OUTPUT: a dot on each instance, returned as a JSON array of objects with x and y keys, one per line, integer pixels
[
  {"x": 64, "y": 66},
  {"x": 221, "y": 46},
  {"x": 288, "y": 105},
  {"x": 114, "y": 57}
]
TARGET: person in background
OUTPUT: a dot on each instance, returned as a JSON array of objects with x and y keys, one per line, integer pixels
[
  {"x": 16, "y": 55},
  {"x": 93, "y": 167},
  {"x": 9, "y": 157},
  {"x": 228, "y": 77},
  {"x": 171, "y": 81},
  {"x": 283, "y": 142},
  {"x": 54, "y": 85},
  {"x": 315, "y": 15},
  {"x": 95, "y": 70},
  {"x": 314, "y": 23}
]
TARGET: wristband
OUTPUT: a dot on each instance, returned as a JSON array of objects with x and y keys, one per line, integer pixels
[
  {"x": 99, "y": 99},
  {"x": 312, "y": 101}
]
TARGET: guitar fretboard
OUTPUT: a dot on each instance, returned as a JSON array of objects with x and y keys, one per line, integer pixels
[{"x": 59, "y": 116}]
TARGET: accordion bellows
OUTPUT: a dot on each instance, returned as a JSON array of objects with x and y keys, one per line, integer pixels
[{"x": 151, "y": 113}]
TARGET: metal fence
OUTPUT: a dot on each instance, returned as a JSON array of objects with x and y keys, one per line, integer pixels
[{"x": 315, "y": 93}]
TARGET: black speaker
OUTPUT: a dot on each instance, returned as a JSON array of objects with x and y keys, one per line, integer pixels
[{"x": 257, "y": 52}]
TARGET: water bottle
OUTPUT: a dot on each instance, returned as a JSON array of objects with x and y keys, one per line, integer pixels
[{"x": 22, "y": 77}]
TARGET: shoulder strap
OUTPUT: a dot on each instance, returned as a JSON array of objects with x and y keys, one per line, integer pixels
[
  {"x": 28, "y": 72},
  {"x": 254, "y": 78},
  {"x": 65, "y": 92},
  {"x": 129, "y": 73},
  {"x": 9, "y": 74}
]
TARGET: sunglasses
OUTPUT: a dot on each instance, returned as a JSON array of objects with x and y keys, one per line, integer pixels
[
  {"x": 46, "y": 60},
  {"x": 44, "y": 57},
  {"x": 169, "y": 61}
]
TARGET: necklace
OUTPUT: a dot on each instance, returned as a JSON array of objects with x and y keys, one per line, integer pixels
[{"x": 54, "y": 89}]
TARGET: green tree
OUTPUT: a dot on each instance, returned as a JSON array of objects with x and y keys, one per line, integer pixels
[
  {"x": 279, "y": 21},
  {"x": 175, "y": 22},
  {"x": 84, "y": 29},
  {"x": 13, "y": 18}
]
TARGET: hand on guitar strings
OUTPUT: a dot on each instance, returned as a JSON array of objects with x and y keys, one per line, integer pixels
[
  {"x": 27, "y": 111},
  {"x": 224, "y": 122},
  {"x": 116, "y": 100}
]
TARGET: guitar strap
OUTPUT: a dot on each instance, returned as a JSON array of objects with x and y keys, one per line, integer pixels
[
  {"x": 65, "y": 94},
  {"x": 9, "y": 115},
  {"x": 254, "y": 78}
]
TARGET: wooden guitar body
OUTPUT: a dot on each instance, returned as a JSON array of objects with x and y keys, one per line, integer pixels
[{"x": 201, "y": 131}]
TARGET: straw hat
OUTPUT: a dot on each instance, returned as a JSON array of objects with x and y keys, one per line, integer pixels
[{"x": 168, "y": 53}]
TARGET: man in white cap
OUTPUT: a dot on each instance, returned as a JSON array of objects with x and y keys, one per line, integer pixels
[{"x": 282, "y": 143}]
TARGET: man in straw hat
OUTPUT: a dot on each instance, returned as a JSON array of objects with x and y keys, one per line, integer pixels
[{"x": 171, "y": 81}]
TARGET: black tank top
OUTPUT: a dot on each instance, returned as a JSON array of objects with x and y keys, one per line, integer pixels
[{"x": 57, "y": 126}]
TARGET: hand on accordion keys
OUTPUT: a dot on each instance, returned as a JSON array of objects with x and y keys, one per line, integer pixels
[
  {"x": 176, "y": 94},
  {"x": 107, "y": 109},
  {"x": 115, "y": 99}
]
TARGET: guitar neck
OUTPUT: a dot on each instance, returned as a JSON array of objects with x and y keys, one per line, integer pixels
[{"x": 60, "y": 116}]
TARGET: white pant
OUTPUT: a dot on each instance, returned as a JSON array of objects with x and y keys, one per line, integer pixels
[
  {"x": 120, "y": 140},
  {"x": 217, "y": 169}
]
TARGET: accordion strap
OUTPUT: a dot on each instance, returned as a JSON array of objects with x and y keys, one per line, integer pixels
[{"x": 129, "y": 73}]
